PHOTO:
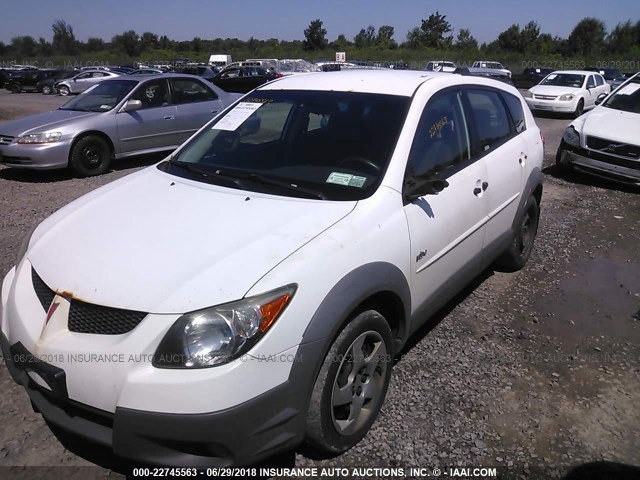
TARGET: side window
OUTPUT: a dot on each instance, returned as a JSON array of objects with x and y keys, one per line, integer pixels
[
  {"x": 152, "y": 94},
  {"x": 441, "y": 139},
  {"x": 231, "y": 73},
  {"x": 599, "y": 80},
  {"x": 83, "y": 76},
  {"x": 187, "y": 90},
  {"x": 591, "y": 82},
  {"x": 490, "y": 119},
  {"x": 514, "y": 105}
]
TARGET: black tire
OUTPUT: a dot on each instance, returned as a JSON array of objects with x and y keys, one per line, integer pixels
[
  {"x": 563, "y": 165},
  {"x": 47, "y": 90},
  {"x": 518, "y": 253},
  {"x": 336, "y": 422},
  {"x": 579, "y": 109},
  {"x": 90, "y": 156},
  {"x": 63, "y": 90},
  {"x": 15, "y": 88}
]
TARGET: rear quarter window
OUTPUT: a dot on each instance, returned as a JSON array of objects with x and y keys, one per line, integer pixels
[{"x": 514, "y": 105}]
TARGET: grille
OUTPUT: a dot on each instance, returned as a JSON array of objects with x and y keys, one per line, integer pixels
[
  {"x": 44, "y": 293},
  {"x": 6, "y": 139},
  {"x": 615, "y": 148},
  {"x": 87, "y": 317},
  {"x": 545, "y": 97}
]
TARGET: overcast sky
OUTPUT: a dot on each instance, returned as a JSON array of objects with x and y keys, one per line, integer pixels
[{"x": 287, "y": 19}]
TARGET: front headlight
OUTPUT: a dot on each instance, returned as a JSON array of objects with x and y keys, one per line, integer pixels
[
  {"x": 571, "y": 136},
  {"x": 217, "y": 335},
  {"x": 566, "y": 97},
  {"x": 50, "y": 137}
]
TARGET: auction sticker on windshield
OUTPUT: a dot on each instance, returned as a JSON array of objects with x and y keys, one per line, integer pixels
[
  {"x": 236, "y": 117},
  {"x": 346, "y": 179}
]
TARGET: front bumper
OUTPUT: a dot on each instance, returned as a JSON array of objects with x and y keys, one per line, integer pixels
[
  {"x": 37, "y": 156},
  {"x": 551, "y": 105},
  {"x": 242, "y": 435},
  {"x": 602, "y": 164}
]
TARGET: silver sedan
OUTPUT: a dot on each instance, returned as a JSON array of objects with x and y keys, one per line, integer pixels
[
  {"x": 82, "y": 81},
  {"x": 117, "y": 118}
]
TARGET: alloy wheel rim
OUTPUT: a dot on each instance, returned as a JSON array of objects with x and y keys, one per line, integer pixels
[{"x": 359, "y": 383}]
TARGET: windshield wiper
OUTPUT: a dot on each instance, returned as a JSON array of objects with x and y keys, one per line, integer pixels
[
  {"x": 207, "y": 172},
  {"x": 272, "y": 182}
]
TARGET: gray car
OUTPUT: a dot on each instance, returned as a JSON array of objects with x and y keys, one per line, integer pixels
[
  {"x": 117, "y": 118},
  {"x": 82, "y": 81}
]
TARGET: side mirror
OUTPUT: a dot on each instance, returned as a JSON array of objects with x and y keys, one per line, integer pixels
[
  {"x": 601, "y": 98},
  {"x": 417, "y": 187},
  {"x": 131, "y": 105}
]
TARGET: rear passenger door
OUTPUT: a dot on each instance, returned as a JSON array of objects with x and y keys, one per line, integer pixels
[
  {"x": 195, "y": 104},
  {"x": 447, "y": 229},
  {"x": 500, "y": 147}
]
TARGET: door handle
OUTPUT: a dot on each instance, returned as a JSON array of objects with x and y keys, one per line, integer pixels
[
  {"x": 485, "y": 185},
  {"x": 477, "y": 191},
  {"x": 169, "y": 117}
]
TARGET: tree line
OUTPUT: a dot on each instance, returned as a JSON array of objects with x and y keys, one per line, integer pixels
[{"x": 589, "y": 37}]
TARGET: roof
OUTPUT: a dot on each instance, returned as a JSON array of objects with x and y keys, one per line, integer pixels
[
  {"x": 383, "y": 81},
  {"x": 574, "y": 72}
]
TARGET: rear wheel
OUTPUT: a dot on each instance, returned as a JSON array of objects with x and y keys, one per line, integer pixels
[
  {"x": 350, "y": 387},
  {"x": 47, "y": 90},
  {"x": 15, "y": 88},
  {"x": 64, "y": 90},
  {"x": 90, "y": 156},
  {"x": 519, "y": 251}
]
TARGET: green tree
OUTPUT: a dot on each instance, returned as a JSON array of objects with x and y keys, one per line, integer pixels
[
  {"x": 529, "y": 36},
  {"x": 24, "y": 46},
  {"x": 44, "y": 47},
  {"x": 509, "y": 40},
  {"x": 544, "y": 44},
  {"x": 196, "y": 44},
  {"x": 315, "y": 36},
  {"x": 95, "y": 44},
  {"x": 365, "y": 37},
  {"x": 622, "y": 38},
  {"x": 341, "y": 43},
  {"x": 587, "y": 37},
  {"x": 384, "y": 38},
  {"x": 414, "y": 38},
  {"x": 64, "y": 41},
  {"x": 435, "y": 30},
  {"x": 465, "y": 41},
  {"x": 148, "y": 41},
  {"x": 128, "y": 42}
]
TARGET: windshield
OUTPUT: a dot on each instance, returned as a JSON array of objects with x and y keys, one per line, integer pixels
[
  {"x": 564, "y": 80},
  {"x": 102, "y": 97},
  {"x": 333, "y": 145},
  {"x": 626, "y": 98}
]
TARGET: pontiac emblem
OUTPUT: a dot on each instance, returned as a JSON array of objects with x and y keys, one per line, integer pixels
[{"x": 52, "y": 308}]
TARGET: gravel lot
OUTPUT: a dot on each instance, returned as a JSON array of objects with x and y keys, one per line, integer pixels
[{"x": 534, "y": 369}]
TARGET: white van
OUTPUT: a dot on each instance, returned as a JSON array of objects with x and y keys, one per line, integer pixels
[{"x": 219, "y": 61}]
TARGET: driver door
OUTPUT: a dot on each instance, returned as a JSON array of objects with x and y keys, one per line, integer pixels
[{"x": 446, "y": 229}]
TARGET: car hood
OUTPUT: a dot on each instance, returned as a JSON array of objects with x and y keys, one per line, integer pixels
[
  {"x": 612, "y": 124},
  {"x": 41, "y": 122},
  {"x": 157, "y": 243},
  {"x": 553, "y": 90}
]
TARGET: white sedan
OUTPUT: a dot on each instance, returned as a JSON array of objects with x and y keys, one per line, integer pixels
[{"x": 567, "y": 91}]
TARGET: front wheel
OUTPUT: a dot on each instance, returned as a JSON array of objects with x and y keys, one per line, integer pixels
[
  {"x": 579, "y": 109},
  {"x": 563, "y": 161},
  {"x": 350, "y": 387},
  {"x": 64, "y": 90},
  {"x": 47, "y": 90},
  {"x": 90, "y": 156},
  {"x": 519, "y": 251}
]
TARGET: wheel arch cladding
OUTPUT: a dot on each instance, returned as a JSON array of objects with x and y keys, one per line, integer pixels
[
  {"x": 532, "y": 187},
  {"x": 379, "y": 286}
]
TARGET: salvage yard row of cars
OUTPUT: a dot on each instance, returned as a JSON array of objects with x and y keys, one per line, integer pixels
[{"x": 410, "y": 182}]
